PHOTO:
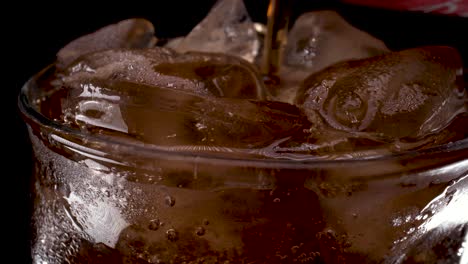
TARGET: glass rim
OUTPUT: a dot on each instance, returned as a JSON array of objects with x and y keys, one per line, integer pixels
[{"x": 30, "y": 114}]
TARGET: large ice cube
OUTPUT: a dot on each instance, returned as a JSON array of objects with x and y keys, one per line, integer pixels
[
  {"x": 169, "y": 117},
  {"x": 130, "y": 33},
  {"x": 207, "y": 74},
  {"x": 226, "y": 29},
  {"x": 410, "y": 93},
  {"x": 319, "y": 39}
]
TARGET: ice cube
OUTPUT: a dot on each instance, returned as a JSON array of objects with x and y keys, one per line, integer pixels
[
  {"x": 169, "y": 117},
  {"x": 173, "y": 43},
  {"x": 130, "y": 33},
  {"x": 409, "y": 93},
  {"x": 226, "y": 29},
  {"x": 205, "y": 74},
  {"x": 321, "y": 38}
]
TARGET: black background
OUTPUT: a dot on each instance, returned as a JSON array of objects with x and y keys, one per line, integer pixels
[{"x": 34, "y": 32}]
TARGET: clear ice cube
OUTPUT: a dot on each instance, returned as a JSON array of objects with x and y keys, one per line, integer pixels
[
  {"x": 207, "y": 74},
  {"x": 226, "y": 29},
  {"x": 169, "y": 117},
  {"x": 317, "y": 40},
  {"x": 321, "y": 38},
  {"x": 131, "y": 33}
]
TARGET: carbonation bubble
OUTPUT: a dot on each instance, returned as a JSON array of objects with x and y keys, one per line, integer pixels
[
  {"x": 154, "y": 224},
  {"x": 172, "y": 235},
  {"x": 170, "y": 201},
  {"x": 200, "y": 231}
]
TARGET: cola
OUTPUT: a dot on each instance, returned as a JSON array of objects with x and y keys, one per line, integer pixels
[{"x": 184, "y": 152}]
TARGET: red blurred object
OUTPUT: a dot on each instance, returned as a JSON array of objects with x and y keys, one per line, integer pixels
[{"x": 446, "y": 7}]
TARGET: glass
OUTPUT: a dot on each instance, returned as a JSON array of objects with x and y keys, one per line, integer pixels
[{"x": 98, "y": 199}]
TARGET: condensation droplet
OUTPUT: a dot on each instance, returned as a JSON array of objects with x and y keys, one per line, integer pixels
[
  {"x": 172, "y": 235},
  {"x": 276, "y": 200},
  {"x": 154, "y": 224},
  {"x": 200, "y": 231},
  {"x": 170, "y": 201}
]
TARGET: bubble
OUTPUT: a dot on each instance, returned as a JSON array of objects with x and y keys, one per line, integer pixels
[
  {"x": 154, "y": 224},
  {"x": 294, "y": 249},
  {"x": 350, "y": 109},
  {"x": 106, "y": 192},
  {"x": 170, "y": 201},
  {"x": 281, "y": 257},
  {"x": 172, "y": 235},
  {"x": 154, "y": 260},
  {"x": 200, "y": 231}
]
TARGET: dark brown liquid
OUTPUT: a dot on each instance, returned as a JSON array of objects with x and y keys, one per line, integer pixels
[{"x": 159, "y": 210}]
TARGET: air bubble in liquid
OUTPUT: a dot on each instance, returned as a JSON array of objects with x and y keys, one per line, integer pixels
[
  {"x": 200, "y": 231},
  {"x": 172, "y": 235},
  {"x": 170, "y": 201},
  {"x": 154, "y": 224}
]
